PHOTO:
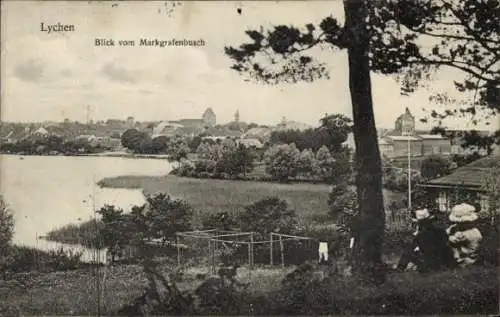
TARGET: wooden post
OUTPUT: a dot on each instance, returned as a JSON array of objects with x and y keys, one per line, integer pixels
[
  {"x": 209, "y": 257},
  {"x": 249, "y": 256},
  {"x": 271, "y": 249},
  {"x": 251, "y": 248},
  {"x": 282, "y": 254},
  {"x": 178, "y": 250}
]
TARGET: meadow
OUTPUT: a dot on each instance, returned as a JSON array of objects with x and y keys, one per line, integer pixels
[{"x": 207, "y": 196}]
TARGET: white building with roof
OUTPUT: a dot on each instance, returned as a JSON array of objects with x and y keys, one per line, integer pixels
[{"x": 405, "y": 138}]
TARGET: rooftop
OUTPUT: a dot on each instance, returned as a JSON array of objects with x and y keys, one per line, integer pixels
[
  {"x": 471, "y": 175},
  {"x": 431, "y": 136},
  {"x": 402, "y": 138}
]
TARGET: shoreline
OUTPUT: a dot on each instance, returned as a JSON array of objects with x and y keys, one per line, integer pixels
[{"x": 103, "y": 154}]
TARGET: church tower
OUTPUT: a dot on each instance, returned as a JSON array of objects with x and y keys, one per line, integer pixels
[
  {"x": 405, "y": 123},
  {"x": 237, "y": 116},
  {"x": 209, "y": 118}
]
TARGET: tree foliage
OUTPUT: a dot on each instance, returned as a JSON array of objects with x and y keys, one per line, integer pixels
[
  {"x": 136, "y": 141},
  {"x": 332, "y": 133},
  {"x": 281, "y": 161},
  {"x": 225, "y": 157},
  {"x": 343, "y": 204},
  {"x": 115, "y": 233},
  {"x": 159, "y": 144},
  {"x": 6, "y": 234},
  {"x": 177, "y": 149},
  {"x": 491, "y": 185},
  {"x": 434, "y": 166},
  {"x": 270, "y": 214},
  {"x": 165, "y": 216}
]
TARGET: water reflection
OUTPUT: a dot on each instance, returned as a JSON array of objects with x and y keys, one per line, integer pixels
[{"x": 46, "y": 193}]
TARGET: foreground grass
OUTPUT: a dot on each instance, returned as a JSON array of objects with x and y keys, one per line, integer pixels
[
  {"x": 470, "y": 291},
  {"x": 74, "y": 292},
  {"x": 206, "y": 196}
]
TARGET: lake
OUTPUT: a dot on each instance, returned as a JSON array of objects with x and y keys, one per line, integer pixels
[{"x": 48, "y": 192}]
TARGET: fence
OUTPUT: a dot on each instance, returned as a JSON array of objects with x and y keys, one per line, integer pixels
[
  {"x": 208, "y": 248},
  {"x": 398, "y": 220}
]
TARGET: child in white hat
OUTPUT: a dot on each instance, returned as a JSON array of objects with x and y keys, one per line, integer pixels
[{"x": 463, "y": 234}]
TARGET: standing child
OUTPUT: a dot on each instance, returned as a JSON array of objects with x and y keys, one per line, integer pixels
[{"x": 464, "y": 235}]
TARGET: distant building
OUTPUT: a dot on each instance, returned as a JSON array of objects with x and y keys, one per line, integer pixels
[
  {"x": 404, "y": 138},
  {"x": 165, "y": 128},
  {"x": 209, "y": 118},
  {"x": 457, "y": 140},
  {"x": 41, "y": 132},
  {"x": 260, "y": 133},
  {"x": 405, "y": 123},
  {"x": 386, "y": 148},
  {"x": 252, "y": 143},
  {"x": 130, "y": 122},
  {"x": 285, "y": 125},
  {"x": 237, "y": 116},
  {"x": 189, "y": 127}
]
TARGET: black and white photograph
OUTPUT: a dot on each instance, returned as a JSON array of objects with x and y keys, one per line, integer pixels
[{"x": 250, "y": 158}]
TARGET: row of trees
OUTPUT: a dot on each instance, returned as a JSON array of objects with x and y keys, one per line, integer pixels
[
  {"x": 285, "y": 162},
  {"x": 142, "y": 143},
  {"x": 161, "y": 217},
  {"x": 50, "y": 144},
  {"x": 225, "y": 159},
  {"x": 332, "y": 133}
]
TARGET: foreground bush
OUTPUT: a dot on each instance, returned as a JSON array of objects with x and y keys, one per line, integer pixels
[{"x": 27, "y": 259}]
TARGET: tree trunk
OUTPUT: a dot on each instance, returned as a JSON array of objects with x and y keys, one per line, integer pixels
[{"x": 369, "y": 226}]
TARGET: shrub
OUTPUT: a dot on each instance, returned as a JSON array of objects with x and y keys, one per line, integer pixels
[
  {"x": 270, "y": 214},
  {"x": 64, "y": 260},
  {"x": 185, "y": 169},
  {"x": 299, "y": 291},
  {"x": 221, "y": 220},
  {"x": 30, "y": 259},
  {"x": 220, "y": 297},
  {"x": 434, "y": 166},
  {"x": 282, "y": 161},
  {"x": 6, "y": 233}
]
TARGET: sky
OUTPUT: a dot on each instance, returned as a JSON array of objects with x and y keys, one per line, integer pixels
[{"x": 54, "y": 76}]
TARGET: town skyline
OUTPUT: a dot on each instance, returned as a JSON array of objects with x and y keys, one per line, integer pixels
[{"x": 53, "y": 76}]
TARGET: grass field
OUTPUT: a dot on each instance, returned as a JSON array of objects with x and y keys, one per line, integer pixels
[
  {"x": 310, "y": 201},
  {"x": 74, "y": 292},
  {"x": 464, "y": 291}
]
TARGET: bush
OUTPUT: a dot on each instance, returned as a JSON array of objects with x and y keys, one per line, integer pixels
[
  {"x": 30, "y": 259},
  {"x": 185, "y": 169},
  {"x": 434, "y": 166},
  {"x": 461, "y": 291},
  {"x": 221, "y": 220},
  {"x": 64, "y": 260},
  {"x": 282, "y": 161},
  {"x": 299, "y": 291},
  {"x": 270, "y": 214},
  {"x": 216, "y": 297},
  {"x": 84, "y": 234},
  {"x": 6, "y": 233}
]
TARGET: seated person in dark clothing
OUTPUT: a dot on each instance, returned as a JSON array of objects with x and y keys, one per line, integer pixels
[{"x": 429, "y": 250}]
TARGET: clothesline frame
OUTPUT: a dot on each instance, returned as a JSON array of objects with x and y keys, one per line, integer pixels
[{"x": 212, "y": 235}]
